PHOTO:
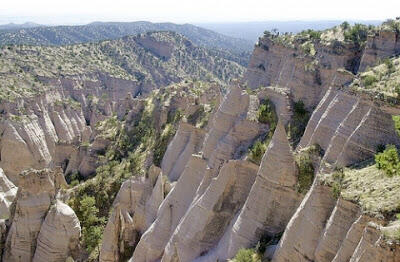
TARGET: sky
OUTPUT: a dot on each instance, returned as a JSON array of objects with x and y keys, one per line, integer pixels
[{"x": 189, "y": 11}]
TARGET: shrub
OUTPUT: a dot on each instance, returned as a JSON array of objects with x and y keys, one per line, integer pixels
[
  {"x": 396, "y": 120},
  {"x": 357, "y": 34},
  {"x": 337, "y": 177},
  {"x": 345, "y": 25},
  {"x": 162, "y": 144},
  {"x": 369, "y": 80},
  {"x": 388, "y": 161},
  {"x": 397, "y": 91},
  {"x": 92, "y": 226},
  {"x": 305, "y": 172},
  {"x": 247, "y": 255},
  {"x": 298, "y": 122},
  {"x": 266, "y": 114},
  {"x": 390, "y": 66},
  {"x": 257, "y": 152}
]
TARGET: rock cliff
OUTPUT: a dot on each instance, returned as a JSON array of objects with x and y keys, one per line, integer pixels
[{"x": 173, "y": 176}]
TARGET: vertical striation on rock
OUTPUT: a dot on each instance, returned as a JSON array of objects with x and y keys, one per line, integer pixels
[
  {"x": 303, "y": 232},
  {"x": 372, "y": 247},
  {"x": 342, "y": 218},
  {"x": 204, "y": 223},
  {"x": 271, "y": 202},
  {"x": 152, "y": 243}
]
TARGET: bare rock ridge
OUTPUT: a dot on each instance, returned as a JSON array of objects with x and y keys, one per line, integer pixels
[
  {"x": 270, "y": 204},
  {"x": 186, "y": 142},
  {"x": 209, "y": 198},
  {"x": 229, "y": 132}
]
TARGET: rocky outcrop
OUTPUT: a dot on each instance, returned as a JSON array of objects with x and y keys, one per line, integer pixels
[
  {"x": 372, "y": 247},
  {"x": 303, "y": 232},
  {"x": 340, "y": 235},
  {"x": 7, "y": 194},
  {"x": 30, "y": 141},
  {"x": 33, "y": 227},
  {"x": 230, "y": 133},
  {"x": 59, "y": 235},
  {"x": 271, "y": 202},
  {"x": 207, "y": 218},
  {"x": 173, "y": 208},
  {"x": 187, "y": 141},
  {"x": 348, "y": 129},
  {"x": 307, "y": 77},
  {"x": 280, "y": 98},
  {"x": 382, "y": 44},
  {"x": 343, "y": 216},
  {"x": 134, "y": 210}
]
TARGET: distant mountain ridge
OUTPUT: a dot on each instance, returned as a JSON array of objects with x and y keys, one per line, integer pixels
[
  {"x": 231, "y": 48},
  {"x": 13, "y": 26}
]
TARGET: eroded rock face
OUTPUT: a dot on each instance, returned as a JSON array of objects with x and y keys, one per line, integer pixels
[
  {"x": 187, "y": 141},
  {"x": 173, "y": 208},
  {"x": 134, "y": 210},
  {"x": 334, "y": 234},
  {"x": 343, "y": 216},
  {"x": 7, "y": 194},
  {"x": 59, "y": 234},
  {"x": 303, "y": 232},
  {"x": 382, "y": 45},
  {"x": 33, "y": 227},
  {"x": 207, "y": 218},
  {"x": 373, "y": 248},
  {"x": 273, "y": 64},
  {"x": 348, "y": 129},
  {"x": 271, "y": 202}
]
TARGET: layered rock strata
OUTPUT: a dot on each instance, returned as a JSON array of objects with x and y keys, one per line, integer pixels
[{"x": 348, "y": 129}]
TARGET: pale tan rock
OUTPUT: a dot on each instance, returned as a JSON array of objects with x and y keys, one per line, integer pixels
[
  {"x": 206, "y": 220},
  {"x": 271, "y": 202},
  {"x": 303, "y": 232},
  {"x": 348, "y": 129},
  {"x": 8, "y": 191},
  {"x": 381, "y": 45},
  {"x": 186, "y": 142},
  {"x": 342, "y": 218},
  {"x": 59, "y": 234},
  {"x": 281, "y": 100},
  {"x": 234, "y": 104},
  {"x": 373, "y": 248},
  {"x": 37, "y": 189},
  {"x": 15, "y": 153},
  {"x": 308, "y": 78},
  {"x": 351, "y": 240},
  {"x": 134, "y": 210},
  {"x": 174, "y": 207}
]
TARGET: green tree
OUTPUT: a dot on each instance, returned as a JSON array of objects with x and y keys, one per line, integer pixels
[{"x": 388, "y": 161}]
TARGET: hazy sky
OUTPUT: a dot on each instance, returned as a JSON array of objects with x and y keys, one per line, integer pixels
[{"x": 189, "y": 11}]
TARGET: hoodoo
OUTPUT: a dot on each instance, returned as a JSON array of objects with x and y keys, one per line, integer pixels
[{"x": 150, "y": 148}]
